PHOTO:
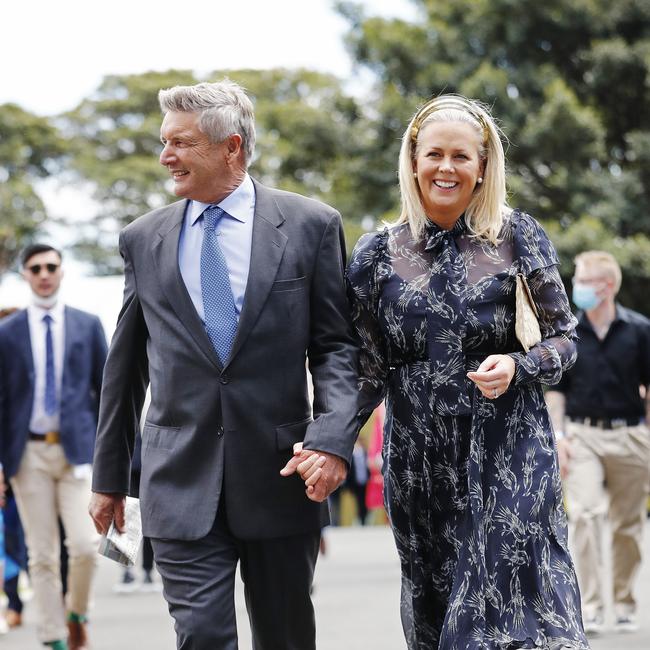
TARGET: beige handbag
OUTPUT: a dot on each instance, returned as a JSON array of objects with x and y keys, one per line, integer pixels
[{"x": 526, "y": 315}]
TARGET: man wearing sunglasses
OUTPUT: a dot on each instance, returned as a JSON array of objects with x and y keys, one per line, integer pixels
[{"x": 51, "y": 364}]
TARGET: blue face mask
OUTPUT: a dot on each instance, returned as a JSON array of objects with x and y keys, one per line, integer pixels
[{"x": 584, "y": 296}]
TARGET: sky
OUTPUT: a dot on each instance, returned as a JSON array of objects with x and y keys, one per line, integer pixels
[{"x": 56, "y": 53}]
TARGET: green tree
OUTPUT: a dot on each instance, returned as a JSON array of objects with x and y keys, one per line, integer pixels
[
  {"x": 30, "y": 149},
  {"x": 569, "y": 80},
  {"x": 115, "y": 136},
  {"x": 306, "y": 142}
]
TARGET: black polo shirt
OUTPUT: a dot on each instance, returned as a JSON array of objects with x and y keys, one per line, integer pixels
[{"x": 604, "y": 383}]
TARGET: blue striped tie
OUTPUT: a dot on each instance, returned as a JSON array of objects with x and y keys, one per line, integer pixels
[
  {"x": 50, "y": 380},
  {"x": 220, "y": 315}
]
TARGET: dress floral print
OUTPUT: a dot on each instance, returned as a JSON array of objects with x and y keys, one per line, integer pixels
[{"x": 472, "y": 485}]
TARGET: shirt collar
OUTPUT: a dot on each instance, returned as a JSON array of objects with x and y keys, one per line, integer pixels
[
  {"x": 55, "y": 312},
  {"x": 434, "y": 233},
  {"x": 623, "y": 314},
  {"x": 620, "y": 314},
  {"x": 239, "y": 204}
]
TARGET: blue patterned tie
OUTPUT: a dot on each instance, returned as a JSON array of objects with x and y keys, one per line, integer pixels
[
  {"x": 50, "y": 380},
  {"x": 220, "y": 315}
]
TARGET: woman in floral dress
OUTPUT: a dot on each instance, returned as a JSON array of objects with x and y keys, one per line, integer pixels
[{"x": 472, "y": 487}]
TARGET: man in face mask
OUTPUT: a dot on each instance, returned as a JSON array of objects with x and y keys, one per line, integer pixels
[
  {"x": 598, "y": 414},
  {"x": 51, "y": 363}
]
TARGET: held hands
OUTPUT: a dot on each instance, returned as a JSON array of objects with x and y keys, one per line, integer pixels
[
  {"x": 106, "y": 507},
  {"x": 494, "y": 375},
  {"x": 322, "y": 472}
]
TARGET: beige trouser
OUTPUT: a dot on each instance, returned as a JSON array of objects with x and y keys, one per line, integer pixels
[
  {"x": 608, "y": 476},
  {"x": 46, "y": 488}
]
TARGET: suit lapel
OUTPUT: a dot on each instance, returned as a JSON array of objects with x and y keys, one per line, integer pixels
[
  {"x": 165, "y": 256},
  {"x": 69, "y": 331},
  {"x": 267, "y": 249}
]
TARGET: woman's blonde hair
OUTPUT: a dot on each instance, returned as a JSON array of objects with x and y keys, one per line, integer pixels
[{"x": 485, "y": 213}]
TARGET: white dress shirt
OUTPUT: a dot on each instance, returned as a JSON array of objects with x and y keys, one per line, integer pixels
[
  {"x": 40, "y": 421},
  {"x": 235, "y": 232}
]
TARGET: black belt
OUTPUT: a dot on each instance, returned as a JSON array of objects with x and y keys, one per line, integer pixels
[
  {"x": 51, "y": 437},
  {"x": 608, "y": 423}
]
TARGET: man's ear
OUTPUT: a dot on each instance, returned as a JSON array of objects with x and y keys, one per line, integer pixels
[{"x": 234, "y": 144}]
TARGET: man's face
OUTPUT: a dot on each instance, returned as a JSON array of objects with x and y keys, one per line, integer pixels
[
  {"x": 43, "y": 273},
  {"x": 593, "y": 276},
  {"x": 200, "y": 168}
]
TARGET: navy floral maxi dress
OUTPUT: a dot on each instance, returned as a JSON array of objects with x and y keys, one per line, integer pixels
[{"x": 472, "y": 485}]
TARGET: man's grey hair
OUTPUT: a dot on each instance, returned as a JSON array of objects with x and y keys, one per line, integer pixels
[{"x": 224, "y": 109}]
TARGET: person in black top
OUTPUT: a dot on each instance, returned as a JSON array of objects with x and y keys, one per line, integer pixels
[{"x": 598, "y": 412}]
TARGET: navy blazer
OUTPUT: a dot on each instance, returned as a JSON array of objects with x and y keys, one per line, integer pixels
[{"x": 84, "y": 358}]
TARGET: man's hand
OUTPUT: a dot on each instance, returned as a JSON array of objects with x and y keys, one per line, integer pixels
[
  {"x": 321, "y": 471},
  {"x": 333, "y": 472},
  {"x": 564, "y": 455},
  {"x": 106, "y": 507}
]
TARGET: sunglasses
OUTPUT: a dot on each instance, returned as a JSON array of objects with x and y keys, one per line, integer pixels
[{"x": 36, "y": 268}]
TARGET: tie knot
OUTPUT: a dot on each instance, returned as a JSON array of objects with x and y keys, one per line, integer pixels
[
  {"x": 47, "y": 319},
  {"x": 212, "y": 216}
]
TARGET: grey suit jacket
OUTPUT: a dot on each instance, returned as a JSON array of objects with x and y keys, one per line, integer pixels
[{"x": 211, "y": 431}]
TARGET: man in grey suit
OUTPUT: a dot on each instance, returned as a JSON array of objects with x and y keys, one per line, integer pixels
[{"x": 227, "y": 294}]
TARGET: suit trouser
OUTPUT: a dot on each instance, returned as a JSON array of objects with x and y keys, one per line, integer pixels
[
  {"x": 199, "y": 587},
  {"x": 608, "y": 477},
  {"x": 46, "y": 488}
]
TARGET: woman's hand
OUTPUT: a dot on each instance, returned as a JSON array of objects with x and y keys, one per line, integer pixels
[
  {"x": 494, "y": 375},
  {"x": 322, "y": 472}
]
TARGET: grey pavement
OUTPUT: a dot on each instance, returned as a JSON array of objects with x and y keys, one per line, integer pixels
[{"x": 356, "y": 598}]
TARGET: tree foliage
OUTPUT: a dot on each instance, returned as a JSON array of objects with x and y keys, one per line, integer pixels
[
  {"x": 305, "y": 143},
  {"x": 569, "y": 81},
  {"x": 30, "y": 149},
  {"x": 115, "y": 136}
]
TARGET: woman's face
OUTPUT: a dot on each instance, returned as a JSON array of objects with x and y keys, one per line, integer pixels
[{"x": 448, "y": 166}]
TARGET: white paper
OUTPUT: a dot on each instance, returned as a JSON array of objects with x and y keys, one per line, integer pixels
[{"x": 124, "y": 547}]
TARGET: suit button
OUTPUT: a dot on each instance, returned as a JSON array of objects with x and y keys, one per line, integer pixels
[
  {"x": 224, "y": 379},
  {"x": 220, "y": 432}
]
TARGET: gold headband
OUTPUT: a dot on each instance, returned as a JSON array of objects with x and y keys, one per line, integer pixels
[{"x": 447, "y": 103}]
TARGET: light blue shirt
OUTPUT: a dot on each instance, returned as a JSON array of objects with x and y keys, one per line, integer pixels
[
  {"x": 235, "y": 232},
  {"x": 40, "y": 421}
]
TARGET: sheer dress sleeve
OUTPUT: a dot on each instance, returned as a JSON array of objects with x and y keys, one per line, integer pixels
[
  {"x": 363, "y": 295},
  {"x": 538, "y": 261}
]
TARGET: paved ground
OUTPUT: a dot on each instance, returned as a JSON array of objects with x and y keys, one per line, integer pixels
[{"x": 356, "y": 598}]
